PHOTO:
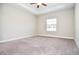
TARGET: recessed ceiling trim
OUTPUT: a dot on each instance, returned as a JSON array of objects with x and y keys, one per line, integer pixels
[
  {"x": 46, "y": 10},
  {"x": 28, "y": 8}
]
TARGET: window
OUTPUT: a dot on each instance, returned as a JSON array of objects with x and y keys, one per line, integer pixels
[{"x": 51, "y": 24}]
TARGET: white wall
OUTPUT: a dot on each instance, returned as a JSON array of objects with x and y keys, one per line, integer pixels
[
  {"x": 0, "y": 21},
  {"x": 77, "y": 24},
  {"x": 16, "y": 22},
  {"x": 65, "y": 23}
]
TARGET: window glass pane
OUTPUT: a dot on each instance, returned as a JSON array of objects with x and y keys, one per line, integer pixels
[
  {"x": 51, "y": 21},
  {"x": 51, "y": 24}
]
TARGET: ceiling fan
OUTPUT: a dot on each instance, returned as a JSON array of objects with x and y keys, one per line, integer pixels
[{"x": 38, "y": 4}]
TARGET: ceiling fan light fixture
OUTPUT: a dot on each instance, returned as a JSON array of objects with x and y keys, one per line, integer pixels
[{"x": 39, "y": 4}]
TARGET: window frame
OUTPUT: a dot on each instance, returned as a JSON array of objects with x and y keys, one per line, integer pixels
[{"x": 56, "y": 24}]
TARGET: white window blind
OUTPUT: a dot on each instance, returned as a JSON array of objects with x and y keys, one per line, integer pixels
[{"x": 51, "y": 24}]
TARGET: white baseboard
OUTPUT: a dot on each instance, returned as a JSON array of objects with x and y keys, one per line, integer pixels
[
  {"x": 33, "y": 35},
  {"x": 16, "y": 38},
  {"x": 56, "y": 36}
]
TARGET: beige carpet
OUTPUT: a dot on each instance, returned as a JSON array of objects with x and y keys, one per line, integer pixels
[{"x": 39, "y": 46}]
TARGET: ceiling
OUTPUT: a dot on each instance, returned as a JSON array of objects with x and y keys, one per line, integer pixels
[{"x": 49, "y": 8}]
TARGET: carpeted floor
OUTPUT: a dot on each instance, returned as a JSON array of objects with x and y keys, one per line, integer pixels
[{"x": 39, "y": 46}]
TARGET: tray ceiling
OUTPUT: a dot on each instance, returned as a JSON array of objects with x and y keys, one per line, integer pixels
[{"x": 45, "y": 9}]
